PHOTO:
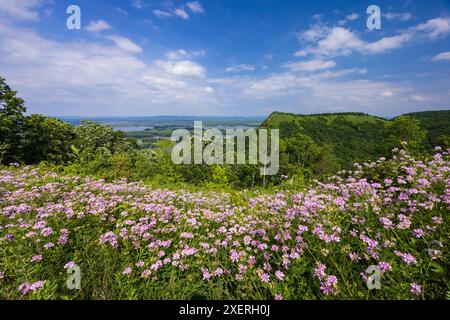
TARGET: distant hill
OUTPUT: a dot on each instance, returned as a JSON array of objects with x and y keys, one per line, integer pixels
[
  {"x": 355, "y": 137},
  {"x": 437, "y": 124}
]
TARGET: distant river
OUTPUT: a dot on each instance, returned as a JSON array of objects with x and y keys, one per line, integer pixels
[{"x": 129, "y": 129}]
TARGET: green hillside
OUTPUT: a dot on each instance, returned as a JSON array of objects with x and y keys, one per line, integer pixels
[
  {"x": 353, "y": 136},
  {"x": 437, "y": 124},
  {"x": 356, "y": 137}
]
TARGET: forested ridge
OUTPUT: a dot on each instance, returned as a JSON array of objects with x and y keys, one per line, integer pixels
[{"x": 357, "y": 137}]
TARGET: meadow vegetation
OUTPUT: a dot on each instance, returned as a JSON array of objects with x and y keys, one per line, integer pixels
[{"x": 140, "y": 227}]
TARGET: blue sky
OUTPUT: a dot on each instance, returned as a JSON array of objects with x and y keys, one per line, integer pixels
[{"x": 229, "y": 57}]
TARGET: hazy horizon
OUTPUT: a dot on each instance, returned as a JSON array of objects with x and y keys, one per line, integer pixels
[{"x": 230, "y": 116}]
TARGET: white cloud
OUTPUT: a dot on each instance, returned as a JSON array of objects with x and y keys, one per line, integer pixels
[
  {"x": 182, "y": 54},
  {"x": 20, "y": 9},
  {"x": 316, "y": 32},
  {"x": 387, "y": 94},
  {"x": 162, "y": 14},
  {"x": 418, "y": 98},
  {"x": 434, "y": 28},
  {"x": 195, "y": 7},
  {"x": 352, "y": 17},
  {"x": 338, "y": 41},
  {"x": 138, "y": 4},
  {"x": 322, "y": 91},
  {"x": 125, "y": 44},
  {"x": 176, "y": 54},
  {"x": 98, "y": 26},
  {"x": 181, "y": 13},
  {"x": 182, "y": 68},
  {"x": 198, "y": 53},
  {"x": 87, "y": 78},
  {"x": 387, "y": 43},
  {"x": 121, "y": 11},
  {"x": 311, "y": 65},
  {"x": 277, "y": 84},
  {"x": 241, "y": 67},
  {"x": 405, "y": 16},
  {"x": 313, "y": 93},
  {"x": 336, "y": 74},
  {"x": 442, "y": 56},
  {"x": 301, "y": 53},
  {"x": 178, "y": 12}
]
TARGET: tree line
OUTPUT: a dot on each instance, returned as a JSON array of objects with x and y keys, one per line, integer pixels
[{"x": 97, "y": 150}]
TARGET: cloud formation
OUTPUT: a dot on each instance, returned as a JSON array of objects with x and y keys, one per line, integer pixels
[
  {"x": 98, "y": 26},
  {"x": 114, "y": 74},
  {"x": 88, "y": 78},
  {"x": 138, "y": 4},
  {"x": 442, "y": 56},
  {"x": 405, "y": 16},
  {"x": 183, "y": 54},
  {"x": 162, "y": 14},
  {"x": 351, "y": 17},
  {"x": 310, "y": 65},
  {"x": 339, "y": 41},
  {"x": 195, "y": 7},
  {"x": 181, "y": 12},
  {"x": 125, "y": 44},
  {"x": 241, "y": 67},
  {"x": 21, "y": 9},
  {"x": 182, "y": 68}
]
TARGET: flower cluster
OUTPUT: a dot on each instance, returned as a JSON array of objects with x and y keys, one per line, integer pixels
[{"x": 247, "y": 244}]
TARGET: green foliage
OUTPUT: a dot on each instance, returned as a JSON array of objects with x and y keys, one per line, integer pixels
[
  {"x": 353, "y": 137},
  {"x": 444, "y": 141},
  {"x": 219, "y": 175},
  {"x": 3, "y": 149},
  {"x": 92, "y": 136},
  {"x": 436, "y": 123},
  {"x": 338, "y": 140},
  {"x": 327, "y": 162},
  {"x": 301, "y": 149},
  {"x": 403, "y": 129},
  {"x": 302, "y": 157},
  {"x": 10, "y": 105},
  {"x": 161, "y": 169},
  {"x": 11, "y": 123},
  {"x": 47, "y": 139}
]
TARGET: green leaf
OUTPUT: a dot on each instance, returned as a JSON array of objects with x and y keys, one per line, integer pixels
[
  {"x": 75, "y": 149},
  {"x": 436, "y": 267}
]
